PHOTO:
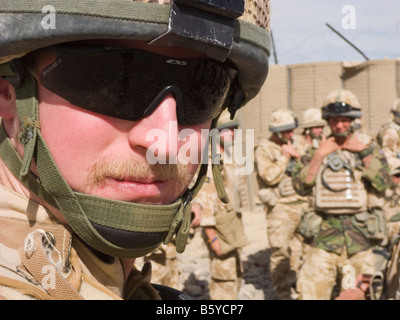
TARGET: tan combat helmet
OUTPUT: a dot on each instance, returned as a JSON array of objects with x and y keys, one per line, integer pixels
[
  {"x": 312, "y": 117},
  {"x": 282, "y": 120},
  {"x": 231, "y": 32},
  {"x": 341, "y": 103},
  {"x": 237, "y": 31}
]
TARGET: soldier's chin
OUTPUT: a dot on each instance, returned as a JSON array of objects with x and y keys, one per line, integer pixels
[{"x": 341, "y": 134}]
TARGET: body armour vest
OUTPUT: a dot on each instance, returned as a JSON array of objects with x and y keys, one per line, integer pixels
[{"x": 339, "y": 187}]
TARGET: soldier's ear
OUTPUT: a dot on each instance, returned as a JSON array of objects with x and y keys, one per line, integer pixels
[{"x": 7, "y": 100}]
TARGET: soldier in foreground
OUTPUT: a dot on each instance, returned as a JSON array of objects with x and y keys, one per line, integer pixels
[
  {"x": 346, "y": 178},
  {"x": 91, "y": 111},
  {"x": 222, "y": 222},
  {"x": 274, "y": 159}
]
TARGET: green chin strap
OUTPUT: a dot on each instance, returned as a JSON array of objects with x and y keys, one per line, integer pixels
[
  {"x": 343, "y": 134},
  {"x": 116, "y": 228}
]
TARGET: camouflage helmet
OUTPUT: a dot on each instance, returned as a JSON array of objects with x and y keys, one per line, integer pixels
[
  {"x": 225, "y": 121},
  {"x": 312, "y": 117},
  {"x": 395, "y": 111},
  {"x": 282, "y": 120},
  {"x": 341, "y": 103}
]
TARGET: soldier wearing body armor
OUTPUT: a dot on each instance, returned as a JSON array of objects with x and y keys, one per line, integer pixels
[
  {"x": 384, "y": 284},
  {"x": 389, "y": 135},
  {"x": 91, "y": 168},
  {"x": 346, "y": 178},
  {"x": 221, "y": 222},
  {"x": 392, "y": 200},
  {"x": 274, "y": 159}
]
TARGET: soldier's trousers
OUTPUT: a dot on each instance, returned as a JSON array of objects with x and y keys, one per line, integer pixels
[
  {"x": 286, "y": 247},
  {"x": 321, "y": 269},
  {"x": 226, "y": 275},
  {"x": 165, "y": 269}
]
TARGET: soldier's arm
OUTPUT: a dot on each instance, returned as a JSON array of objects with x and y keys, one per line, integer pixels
[
  {"x": 269, "y": 170},
  {"x": 213, "y": 239},
  {"x": 299, "y": 175},
  {"x": 376, "y": 169},
  {"x": 390, "y": 139}
]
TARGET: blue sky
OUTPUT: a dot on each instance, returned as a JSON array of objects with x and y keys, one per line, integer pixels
[{"x": 301, "y": 35}]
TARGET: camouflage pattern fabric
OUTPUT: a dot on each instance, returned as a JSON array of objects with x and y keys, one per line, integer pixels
[
  {"x": 164, "y": 264},
  {"x": 338, "y": 233},
  {"x": 340, "y": 238},
  {"x": 389, "y": 139},
  {"x": 282, "y": 218},
  {"x": 391, "y": 207},
  {"x": 226, "y": 269},
  {"x": 226, "y": 275},
  {"x": 323, "y": 270},
  {"x": 378, "y": 174},
  {"x": 84, "y": 274}
]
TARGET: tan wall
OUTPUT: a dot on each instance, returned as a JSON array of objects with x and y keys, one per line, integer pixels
[
  {"x": 301, "y": 86},
  {"x": 298, "y": 87}
]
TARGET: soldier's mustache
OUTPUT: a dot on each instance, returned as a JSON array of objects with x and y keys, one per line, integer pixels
[{"x": 133, "y": 170}]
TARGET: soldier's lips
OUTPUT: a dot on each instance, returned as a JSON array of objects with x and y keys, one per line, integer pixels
[{"x": 147, "y": 190}]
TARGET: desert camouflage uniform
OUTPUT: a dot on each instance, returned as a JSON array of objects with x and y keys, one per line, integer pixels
[
  {"x": 342, "y": 238},
  {"x": 283, "y": 209},
  {"x": 389, "y": 139},
  {"x": 391, "y": 207},
  {"x": 28, "y": 250},
  {"x": 164, "y": 262},
  {"x": 225, "y": 270},
  {"x": 392, "y": 284},
  {"x": 389, "y": 135}
]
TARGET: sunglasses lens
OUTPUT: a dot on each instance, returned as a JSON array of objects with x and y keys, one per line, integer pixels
[{"x": 123, "y": 84}]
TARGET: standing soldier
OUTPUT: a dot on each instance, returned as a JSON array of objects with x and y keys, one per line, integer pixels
[
  {"x": 392, "y": 200},
  {"x": 346, "y": 178},
  {"x": 389, "y": 135},
  {"x": 274, "y": 159},
  {"x": 223, "y": 230}
]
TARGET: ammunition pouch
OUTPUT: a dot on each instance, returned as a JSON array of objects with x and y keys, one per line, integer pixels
[
  {"x": 310, "y": 224},
  {"x": 372, "y": 224},
  {"x": 229, "y": 228},
  {"x": 267, "y": 196},
  {"x": 285, "y": 187}
]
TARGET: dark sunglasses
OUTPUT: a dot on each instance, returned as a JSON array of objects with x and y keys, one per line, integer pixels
[
  {"x": 339, "y": 107},
  {"x": 129, "y": 84}
]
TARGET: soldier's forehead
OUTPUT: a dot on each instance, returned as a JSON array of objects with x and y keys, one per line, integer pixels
[{"x": 341, "y": 118}]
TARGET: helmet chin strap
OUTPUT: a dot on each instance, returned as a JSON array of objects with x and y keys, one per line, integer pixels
[
  {"x": 343, "y": 134},
  {"x": 279, "y": 135},
  {"x": 117, "y": 228}
]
